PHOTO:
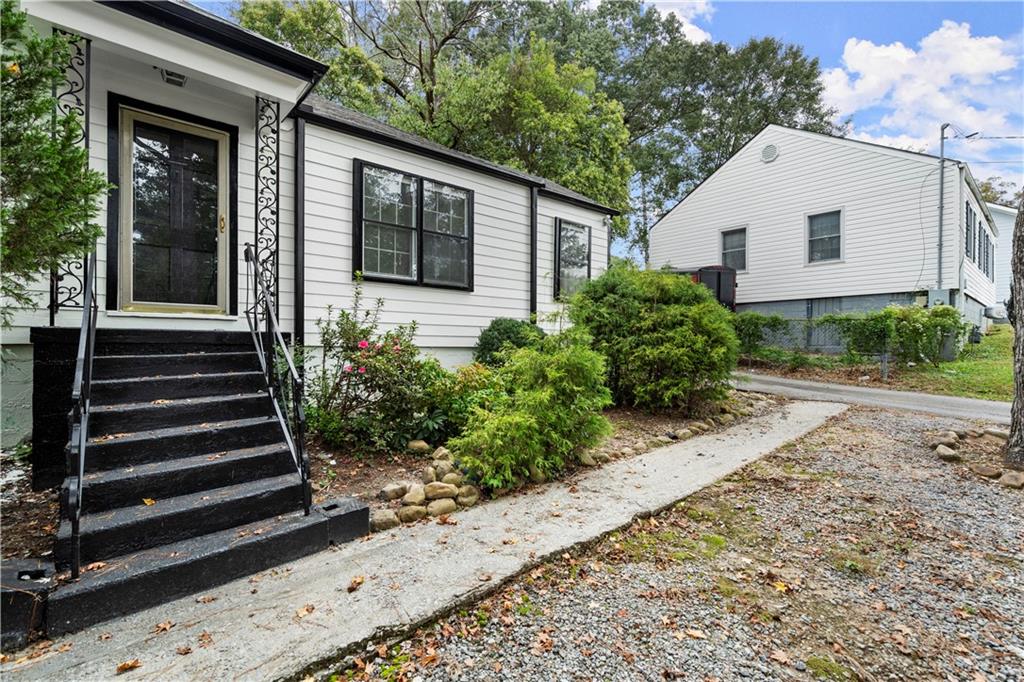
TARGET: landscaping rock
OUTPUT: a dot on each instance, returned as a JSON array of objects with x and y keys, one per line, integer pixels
[
  {"x": 948, "y": 442},
  {"x": 443, "y": 467},
  {"x": 947, "y": 454},
  {"x": 951, "y": 435},
  {"x": 438, "y": 490},
  {"x": 442, "y": 453},
  {"x": 1012, "y": 479},
  {"x": 587, "y": 459},
  {"x": 383, "y": 519},
  {"x": 468, "y": 496},
  {"x": 628, "y": 452},
  {"x": 419, "y": 447},
  {"x": 986, "y": 470},
  {"x": 536, "y": 475},
  {"x": 684, "y": 434},
  {"x": 662, "y": 440},
  {"x": 416, "y": 496},
  {"x": 453, "y": 478},
  {"x": 602, "y": 457},
  {"x": 392, "y": 491},
  {"x": 726, "y": 418},
  {"x": 429, "y": 475},
  {"x": 1001, "y": 434},
  {"x": 443, "y": 506},
  {"x": 411, "y": 514}
]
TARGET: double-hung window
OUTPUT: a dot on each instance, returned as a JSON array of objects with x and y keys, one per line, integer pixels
[
  {"x": 412, "y": 230},
  {"x": 734, "y": 249},
  {"x": 824, "y": 237},
  {"x": 572, "y": 257},
  {"x": 970, "y": 232}
]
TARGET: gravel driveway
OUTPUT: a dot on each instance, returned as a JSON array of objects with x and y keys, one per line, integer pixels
[{"x": 852, "y": 554}]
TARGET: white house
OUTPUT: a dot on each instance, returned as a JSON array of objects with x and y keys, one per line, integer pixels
[
  {"x": 816, "y": 224},
  {"x": 1004, "y": 217},
  {"x": 153, "y": 371}
]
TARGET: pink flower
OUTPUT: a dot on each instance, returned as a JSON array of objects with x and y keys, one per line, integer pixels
[
  {"x": 397, "y": 348},
  {"x": 364, "y": 344},
  {"x": 348, "y": 368},
  {"x": 362, "y": 370},
  {"x": 377, "y": 346}
]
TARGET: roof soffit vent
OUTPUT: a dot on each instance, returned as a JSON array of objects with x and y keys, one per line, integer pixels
[{"x": 769, "y": 153}]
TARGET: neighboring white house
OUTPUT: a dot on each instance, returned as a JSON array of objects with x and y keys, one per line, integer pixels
[
  {"x": 183, "y": 106},
  {"x": 1004, "y": 217},
  {"x": 816, "y": 224}
]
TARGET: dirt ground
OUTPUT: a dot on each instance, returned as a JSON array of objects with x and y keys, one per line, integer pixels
[
  {"x": 851, "y": 554},
  {"x": 28, "y": 520}
]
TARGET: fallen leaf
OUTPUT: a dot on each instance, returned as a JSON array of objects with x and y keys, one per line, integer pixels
[
  {"x": 205, "y": 639},
  {"x": 128, "y": 665},
  {"x": 780, "y": 656},
  {"x": 184, "y": 650},
  {"x": 205, "y": 599},
  {"x": 446, "y": 520},
  {"x": 162, "y": 627},
  {"x": 696, "y": 634},
  {"x": 105, "y": 636},
  {"x": 148, "y": 501},
  {"x": 356, "y": 583},
  {"x": 304, "y": 611},
  {"x": 94, "y": 566},
  {"x": 66, "y": 646}
]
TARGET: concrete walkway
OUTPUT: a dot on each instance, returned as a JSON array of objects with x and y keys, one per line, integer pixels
[
  {"x": 301, "y": 618},
  {"x": 943, "y": 405}
]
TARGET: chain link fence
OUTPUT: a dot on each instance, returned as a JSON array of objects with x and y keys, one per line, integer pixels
[{"x": 805, "y": 335}]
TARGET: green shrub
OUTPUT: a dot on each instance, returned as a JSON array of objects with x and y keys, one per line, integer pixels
[
  {"x": 908, "y": 333},
  {"x": 501, "y": 333},
  {"x": 547, "y": 409},
  {"x": 751, "y": 329},
  {"x": 668, "y": 342},
  {"x": 452, "y": 397},
  {"x": 371, "y": 388}
]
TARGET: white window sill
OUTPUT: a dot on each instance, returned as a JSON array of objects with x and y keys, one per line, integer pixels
[{"x": 172, "y": 316}]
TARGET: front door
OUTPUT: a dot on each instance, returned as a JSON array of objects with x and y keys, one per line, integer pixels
[{"x": 174, "y": 244}]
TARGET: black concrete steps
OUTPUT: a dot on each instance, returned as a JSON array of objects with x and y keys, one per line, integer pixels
[
  {"x": 146, "y": 578},
  {"x": 162, "y": 413},
  {"x": 141, "y": 526},
  {"x": 148, "y": 388},
  {"x": 120, "y": 450},
  {"x": 122, "y": 487},
  {"x": 159, "y": 364}
]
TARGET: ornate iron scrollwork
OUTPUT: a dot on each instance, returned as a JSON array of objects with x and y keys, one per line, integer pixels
[
  {"x": 268, "y": 172},
  {"x": 72, "y": 97}
]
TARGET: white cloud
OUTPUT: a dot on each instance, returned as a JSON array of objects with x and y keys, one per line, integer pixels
[
  {"x": 687, "y": 13},
  {"x": 899, "y": 95}
]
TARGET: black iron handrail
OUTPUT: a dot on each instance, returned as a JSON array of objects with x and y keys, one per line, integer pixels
[
  {"x": 284, "y": 383},
  {"x": 81, "y": 391}
]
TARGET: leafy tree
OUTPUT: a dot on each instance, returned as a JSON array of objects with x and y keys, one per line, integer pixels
[
  {"x": 995, "y": 190},
  {"x": 49, "y": 194},
  {"x": 316, "y": 28}
]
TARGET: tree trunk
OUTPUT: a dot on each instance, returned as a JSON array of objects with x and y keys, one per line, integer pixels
[{"x": 1015, "y": 447}]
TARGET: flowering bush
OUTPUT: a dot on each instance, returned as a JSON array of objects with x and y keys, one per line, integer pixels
[
  {"x": 371, "y": 388},
  {"x": 539, "y": 411}
]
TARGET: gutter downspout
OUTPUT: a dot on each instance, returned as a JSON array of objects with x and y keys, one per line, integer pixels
[
  {"x": 942, "y": 193},
  {"x": 533, "y": 254}
]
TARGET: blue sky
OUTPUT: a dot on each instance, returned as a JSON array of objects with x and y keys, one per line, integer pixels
[{"x": 897, "y": 70}]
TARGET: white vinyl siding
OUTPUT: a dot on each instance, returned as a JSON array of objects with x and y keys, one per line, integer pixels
[
  {"x": 1004, "y": 218},
  {"x": 888, "y": 224},
  {"x": 978, "y": 268}
]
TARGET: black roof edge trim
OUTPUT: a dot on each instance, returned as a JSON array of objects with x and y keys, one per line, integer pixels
[
  {"x": 306, "y": 111},
  {"x": 221, "y": 34},
  {"x": 582, "y": 203}
]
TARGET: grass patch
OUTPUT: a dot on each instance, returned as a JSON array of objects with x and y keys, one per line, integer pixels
[
  {"x": 824, "y": 668},
  {"x": 983, "y": 370}
]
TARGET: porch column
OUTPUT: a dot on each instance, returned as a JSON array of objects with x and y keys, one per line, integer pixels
[
  {"x": 268, "y": 172},
  {"x": 72, "y": 97}
]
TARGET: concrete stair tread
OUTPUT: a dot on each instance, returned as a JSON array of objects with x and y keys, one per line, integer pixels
[
  {"x": 136, "y": 380},
  {"x": 159, "y": 434},
  {"x": 173, "y": 403},
  {"x": 170, "y": 356},
  {"x": 183, "y": 464}
]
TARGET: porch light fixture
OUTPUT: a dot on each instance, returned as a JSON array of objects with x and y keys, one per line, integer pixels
[{"x": 173, "y": 77}]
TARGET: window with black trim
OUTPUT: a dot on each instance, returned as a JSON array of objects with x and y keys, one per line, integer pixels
[
  {"x": 970, "y": 232},
  {"x": 734, "y": 249},
  {"x": 412, "y": 230},
  {"x": 824, "y": 237},
  {"x": 572, "y": 257}
]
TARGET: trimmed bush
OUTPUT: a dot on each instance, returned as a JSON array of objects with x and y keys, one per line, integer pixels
[
  {"x": 548, "y": 409},
  {"x": 908, "y": 333},
  {"x": 752, "y": 328},
  {"x": 668, "y": 342},
  {"x": 502, "y": 333}
]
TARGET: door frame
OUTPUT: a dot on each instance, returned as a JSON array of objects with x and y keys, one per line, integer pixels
[{"x": 115, "y": 104}]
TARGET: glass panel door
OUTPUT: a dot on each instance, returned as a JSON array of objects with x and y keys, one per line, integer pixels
[{"x": 174, "y": 216}]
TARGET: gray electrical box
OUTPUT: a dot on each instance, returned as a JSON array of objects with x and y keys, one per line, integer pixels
[{"x": 938, "y": 297}]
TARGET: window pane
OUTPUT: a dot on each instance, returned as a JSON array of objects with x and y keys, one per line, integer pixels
[
  {"x": 445, "y": 260},
  {"x": 573, "y": 257},
  {"x": 389, "y": 251},
  {"x": 824, "y": 225},
  {"x": 825, "y": 248},
  {"x": 737, "y": 260},
  {"x": 736, "y": 239},
  {"x": 389, "y": 196},
  {"x": 445, "y": 209}
]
